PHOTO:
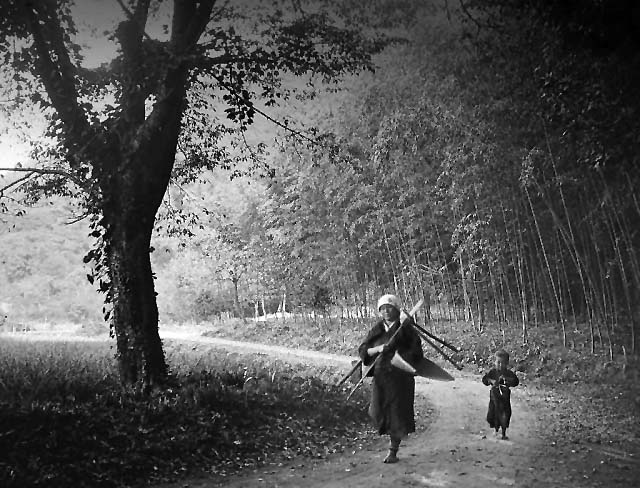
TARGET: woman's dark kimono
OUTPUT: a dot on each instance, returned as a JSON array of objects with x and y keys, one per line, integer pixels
[{"x": 391, "y": 407}]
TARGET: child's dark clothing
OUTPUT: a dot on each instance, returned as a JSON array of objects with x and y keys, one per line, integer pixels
[{"x": 499, "y": 412}]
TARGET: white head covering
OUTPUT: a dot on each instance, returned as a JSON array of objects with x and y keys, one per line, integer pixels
[{"x": 390, "y": 300}]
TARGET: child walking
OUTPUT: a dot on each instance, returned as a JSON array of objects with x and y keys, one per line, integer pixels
[{"x": 500, "y": 378}]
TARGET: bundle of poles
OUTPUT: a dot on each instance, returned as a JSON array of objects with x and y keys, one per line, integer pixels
[{"x": 427, "y": 336}]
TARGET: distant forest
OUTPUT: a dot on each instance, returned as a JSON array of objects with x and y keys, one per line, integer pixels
[{"x": 490, "y": 165}]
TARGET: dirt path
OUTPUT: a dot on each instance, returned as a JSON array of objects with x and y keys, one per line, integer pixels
[
  {"x": 552, "y": 444},
  {"x": 456, "y": 450}
]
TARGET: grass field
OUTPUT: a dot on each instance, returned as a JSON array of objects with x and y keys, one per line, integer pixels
[{"x": 66, "y": 421}]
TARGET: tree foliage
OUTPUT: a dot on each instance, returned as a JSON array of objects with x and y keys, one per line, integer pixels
[
  {"x": 115, "y": 129},
  {"x": 491, "y": 165}
]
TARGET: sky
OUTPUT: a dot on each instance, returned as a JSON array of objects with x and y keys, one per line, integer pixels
[
  {"x": 94, "y": 18},
  {"x": 12, "y": 150}
]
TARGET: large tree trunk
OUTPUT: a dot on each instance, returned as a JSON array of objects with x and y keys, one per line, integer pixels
[
  {"x": 131, "y": 155},
  {"x": 135, "y": 312},
  {"x": 133, "y": 194}
]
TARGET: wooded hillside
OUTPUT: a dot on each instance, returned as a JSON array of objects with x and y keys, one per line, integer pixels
[{"x": 490, "y": 165}]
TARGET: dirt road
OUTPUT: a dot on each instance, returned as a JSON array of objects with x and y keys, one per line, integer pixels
[
  {"x": 559, "y": 437},
  {"x": 457, "y": 449}
]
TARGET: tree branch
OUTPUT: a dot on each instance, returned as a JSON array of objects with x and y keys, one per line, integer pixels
[
  {"x": 57, "y": 75},
  {"x": 286, "y": 127},
  {"x": 80, "y": 217},
  {"x": 139, "y": 16},
  {"x": 130, "y": 34},
  {"x": 44, "y": 171},
  {"x": 189, "y": 23},
  {"x": 226, "y": 86},
  {"x": 205, "y": 62},
  {"x": 12, "y": 100},
  {"x": 13, "y": 183}
]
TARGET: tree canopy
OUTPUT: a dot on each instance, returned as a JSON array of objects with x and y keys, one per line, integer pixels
[
  {"x": 490, "y": 165},
  {"x": 184, "y": 79}
]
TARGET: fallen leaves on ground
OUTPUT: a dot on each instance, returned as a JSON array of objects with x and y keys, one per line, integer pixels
[{"x": 216, "y": 416}]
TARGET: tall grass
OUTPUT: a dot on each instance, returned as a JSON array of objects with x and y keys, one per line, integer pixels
[{"x": 66, "y": 421}]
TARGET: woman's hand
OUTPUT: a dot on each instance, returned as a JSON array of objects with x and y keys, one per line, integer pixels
[{"x": 372, "y": 351}]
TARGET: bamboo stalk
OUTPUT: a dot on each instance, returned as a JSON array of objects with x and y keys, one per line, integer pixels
[
  {"x": 468, "y": 315},
  {"x": 522, "y": 267},
  {"x": 516, "y": 257},
  {"x": 546, "y": 259},
  {"x": 449, "y": 292},
  {"x": 580, "y": 262},
  {"x": 633, "y": 260}
]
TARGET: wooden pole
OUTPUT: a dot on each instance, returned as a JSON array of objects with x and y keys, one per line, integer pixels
[
  {"x": 353, "y": 370},
  {"x": 375, "y": 361},
  {"x": 429, "y": 334},
  {"x": 442, "y": 353}
]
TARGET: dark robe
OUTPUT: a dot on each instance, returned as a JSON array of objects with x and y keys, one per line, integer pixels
[
  {"x": 499, "y": 412},
  {"x": 392, "y": 395}
]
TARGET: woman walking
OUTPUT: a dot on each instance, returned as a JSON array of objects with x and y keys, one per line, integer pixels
[{"x": 392, "y": 395}]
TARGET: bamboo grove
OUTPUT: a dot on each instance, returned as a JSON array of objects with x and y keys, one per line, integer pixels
[
  {"x": 500, "y": 183},
  {"x": 489, "y": 166}
]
